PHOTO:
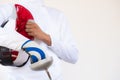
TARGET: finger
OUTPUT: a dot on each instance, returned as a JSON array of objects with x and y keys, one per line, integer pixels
[
  {"x": 28, "y": 30},
  {"x": 30, "y": 34},
  {"x": 30, "y": 21},
  {"x": 29, "y": 26}
]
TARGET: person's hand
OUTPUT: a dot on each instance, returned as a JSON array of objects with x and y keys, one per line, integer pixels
[{"x": 34, "y": 30}]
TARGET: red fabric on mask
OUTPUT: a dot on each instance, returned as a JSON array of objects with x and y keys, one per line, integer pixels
[
  {"x": 23, "y": 15},
  {"x": 14, "y": 54}
]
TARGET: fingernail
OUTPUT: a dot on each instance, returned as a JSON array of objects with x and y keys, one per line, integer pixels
[{"x": 30, "y": 20}]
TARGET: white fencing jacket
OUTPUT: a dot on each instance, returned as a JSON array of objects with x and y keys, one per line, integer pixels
[{"x": 54, "y": 23}]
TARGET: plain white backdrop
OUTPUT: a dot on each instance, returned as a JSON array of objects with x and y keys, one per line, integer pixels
[{"x": 96, "y": 27}]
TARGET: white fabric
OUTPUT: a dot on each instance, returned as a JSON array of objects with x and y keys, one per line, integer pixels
[
  {"x": 63, "y": 46},
  {"x": 20, "y": 60},
  {"x": 10, "y": 38}
]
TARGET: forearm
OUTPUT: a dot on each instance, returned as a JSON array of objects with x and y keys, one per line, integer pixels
[
  {"x": 34, "y": 30},
  {"x": 66, "y": 51},
  {"x": 46, "y": 39}
]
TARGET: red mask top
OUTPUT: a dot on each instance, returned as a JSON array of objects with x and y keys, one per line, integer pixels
[{"x": 23, "y": 15}]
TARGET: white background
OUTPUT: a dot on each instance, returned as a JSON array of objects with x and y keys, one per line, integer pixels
[{"x": 96, "y": 27}]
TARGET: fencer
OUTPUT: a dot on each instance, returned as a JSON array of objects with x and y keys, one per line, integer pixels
[{"x": 13, "y": 36}]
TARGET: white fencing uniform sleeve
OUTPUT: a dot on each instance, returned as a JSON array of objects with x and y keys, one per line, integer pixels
[{"x": 65, "y": 48}]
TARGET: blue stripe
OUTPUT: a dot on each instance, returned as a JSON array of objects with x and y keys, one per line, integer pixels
[
  {"x": 25, "y": 43},
  {"x": 42, "y": 54},
  {"x": 34, "y": 59}
]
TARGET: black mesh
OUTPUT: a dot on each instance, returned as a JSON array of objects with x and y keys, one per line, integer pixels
[{"x": 5, "y": 56}]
